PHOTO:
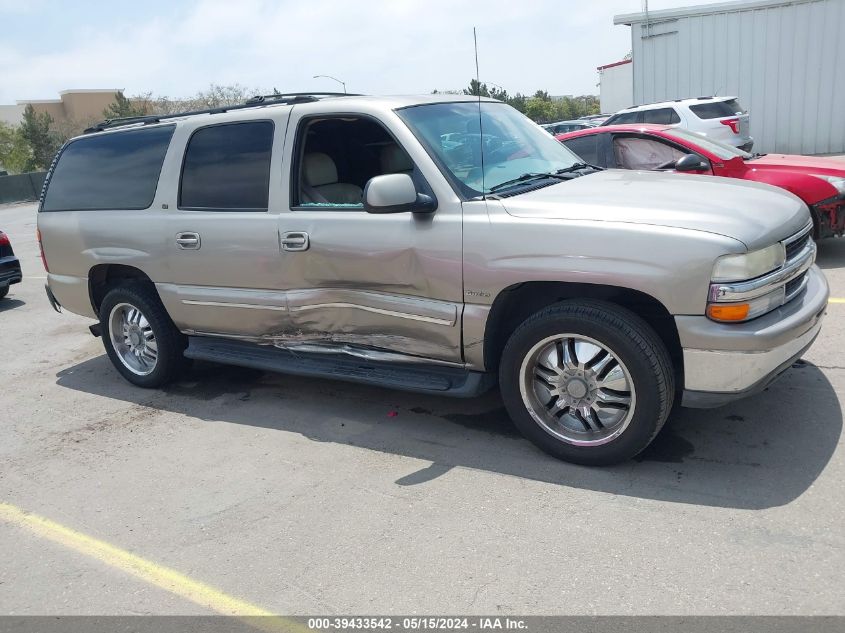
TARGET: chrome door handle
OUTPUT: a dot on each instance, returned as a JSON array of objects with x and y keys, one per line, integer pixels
[
  {"x": 188, "y": 240},
  {"x": 295, "y": 241}
]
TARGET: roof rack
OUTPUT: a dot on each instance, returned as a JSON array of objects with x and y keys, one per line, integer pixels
[{"x": 257, "y": 101}]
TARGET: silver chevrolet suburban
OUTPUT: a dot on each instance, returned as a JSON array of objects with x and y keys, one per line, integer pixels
[{"x": 436, "y": 244}]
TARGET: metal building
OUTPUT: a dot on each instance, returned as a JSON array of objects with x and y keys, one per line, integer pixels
[{"x": 784, "y": 59}]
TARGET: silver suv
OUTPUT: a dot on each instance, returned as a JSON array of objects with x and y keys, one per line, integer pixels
[{"x": 344, "y": 237}]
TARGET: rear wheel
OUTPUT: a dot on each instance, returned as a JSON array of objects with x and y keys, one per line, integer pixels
[
  {"x": 4, "y": 291},
  {"x": 587, "y": 381},
  {"x": 140, "y": 339}
]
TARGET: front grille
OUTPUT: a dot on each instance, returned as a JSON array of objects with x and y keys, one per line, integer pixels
[
  {"x": 796, "y": 246},
  {"x": 794, "y": 285}
]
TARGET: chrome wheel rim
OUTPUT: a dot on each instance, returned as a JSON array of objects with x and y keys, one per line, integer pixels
[
  {"x": 577, "y": 389},
  {"x": 133, "y": 339}
]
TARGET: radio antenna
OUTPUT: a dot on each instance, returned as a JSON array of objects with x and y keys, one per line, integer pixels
[{"x": 480, "y": 129}]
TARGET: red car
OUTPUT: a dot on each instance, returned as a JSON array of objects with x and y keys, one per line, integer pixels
[{"x": 820, "y": 182}]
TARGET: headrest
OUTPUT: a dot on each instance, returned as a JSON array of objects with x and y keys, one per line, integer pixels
[
  {"x": 319, "y": 169},
  {"x": 394, "y": 159}
]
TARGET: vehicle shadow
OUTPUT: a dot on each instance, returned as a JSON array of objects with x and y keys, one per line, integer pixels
[
  {"x": 758, "y": 453},
  {"x": 10, "y": 304},
  {"x": 831, "y": 253}
]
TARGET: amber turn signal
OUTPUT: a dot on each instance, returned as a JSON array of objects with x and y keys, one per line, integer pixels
[{"x": 728, "y": 312}]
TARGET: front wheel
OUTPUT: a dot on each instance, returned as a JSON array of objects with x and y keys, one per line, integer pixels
[
  {"x": 140, "y": 339},
  {"x": 587, "y": 381}
]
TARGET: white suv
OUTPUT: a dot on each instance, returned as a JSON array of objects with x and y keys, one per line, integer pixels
[{"x": 719, "y": 118}]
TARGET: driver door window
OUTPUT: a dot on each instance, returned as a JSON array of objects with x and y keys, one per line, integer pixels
[
  {"x": 633, "y": 152},
  {"x": 338, "y": 156}
]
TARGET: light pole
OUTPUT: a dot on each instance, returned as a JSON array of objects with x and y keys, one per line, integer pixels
[{"x": 342, "y": 83}]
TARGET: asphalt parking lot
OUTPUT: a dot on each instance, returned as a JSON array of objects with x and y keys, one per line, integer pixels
[{"x": 305, "y": 496}]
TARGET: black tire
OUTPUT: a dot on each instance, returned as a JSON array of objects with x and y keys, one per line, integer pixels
[
  {"x": 4, "y": 291},
  {"x": 170, "y": 342},
  {"x": 630, "y": 339}
]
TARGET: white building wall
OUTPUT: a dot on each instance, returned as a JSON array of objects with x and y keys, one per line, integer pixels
[
  {"x": 784, "y": 59},
  {"x": 616, "y": 87}
]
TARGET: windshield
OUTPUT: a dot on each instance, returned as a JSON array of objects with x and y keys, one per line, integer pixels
[
  {"x": 511, "y": 144},
  {"x": 722, "y": 150}
]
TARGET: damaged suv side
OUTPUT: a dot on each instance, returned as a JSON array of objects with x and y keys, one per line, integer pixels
[{"x": 434, "y": 245}]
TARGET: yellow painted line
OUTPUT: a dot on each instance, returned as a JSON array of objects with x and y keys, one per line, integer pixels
[
  {"x": 148, "y": 571},
  {"x": 835, "y": 300}
]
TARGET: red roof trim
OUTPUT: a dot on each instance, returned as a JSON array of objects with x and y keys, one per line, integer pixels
[{"x": 624, "y": 61}]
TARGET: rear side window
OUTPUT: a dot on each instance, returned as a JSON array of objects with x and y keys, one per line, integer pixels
[
  {"x": 227, "y": 168},
  {"x": 586, "y": 147},
  {"x": 716, "y": 109},
  {"x": 109, "y": 171},
  {"x": 661, "y": 116},
  {"x": 625, "y": 117}
]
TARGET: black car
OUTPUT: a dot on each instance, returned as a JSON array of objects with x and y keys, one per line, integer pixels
[{"x": 10, "y": 267}]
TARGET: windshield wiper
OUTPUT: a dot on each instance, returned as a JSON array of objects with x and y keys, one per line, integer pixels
[
  {"x": 523, "y": 178},
  {"x": 578, "y": 167},
  {"x": 560, "y": 174}
]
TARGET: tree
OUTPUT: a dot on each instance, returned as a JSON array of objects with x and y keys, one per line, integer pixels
[
  {"x": 14, "y": 150},
  {"x": 216, "y": 96},
  {"x": 43, "y": 142},
  {"x": 518, "y": 102},
  {"x": 499, "y": 94},
  {"x": 540, "y": 110},
  {"x": 477, "y": 89},
  {"x": 122, "y": 107}
]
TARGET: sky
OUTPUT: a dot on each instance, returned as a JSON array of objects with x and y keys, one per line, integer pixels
[{"x": 175, "y": 48}]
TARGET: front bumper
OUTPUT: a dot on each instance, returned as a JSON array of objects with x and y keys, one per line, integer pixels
[
  {"x": 726, "y": 362},
  {"x": 10, "y": 271}
]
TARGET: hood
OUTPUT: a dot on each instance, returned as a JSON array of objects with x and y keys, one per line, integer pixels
[
  {"x": 752, "y": 213},
  {"x": 801, "y": 164}
]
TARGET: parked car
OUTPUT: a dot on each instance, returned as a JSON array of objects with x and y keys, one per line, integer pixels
[
  {"x": 820, "y": 182},
  {"x": 566, "y": 126},
  {"x": 333, "y": 237},
  {"x": 718, "y": 118},
  {"x": 10, "y": 266},
  {"x": 595, "y": 119}
]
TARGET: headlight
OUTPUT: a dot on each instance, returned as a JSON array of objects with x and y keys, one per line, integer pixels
[
  {"x": 836, "y": 181},
  {"x": 749, "y": 265}
]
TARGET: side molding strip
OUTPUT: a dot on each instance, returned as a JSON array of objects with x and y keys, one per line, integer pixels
[
  {"x": 401, "y": 315},
  {"x": 223, "y": 304}
]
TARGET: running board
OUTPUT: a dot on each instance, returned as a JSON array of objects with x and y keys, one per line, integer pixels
[{"x": 420, "y": 378}]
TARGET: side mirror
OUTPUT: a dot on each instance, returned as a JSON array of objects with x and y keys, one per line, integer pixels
[
  {"x": 691, "y": 162},
  {"x": 395, "y": 193}
]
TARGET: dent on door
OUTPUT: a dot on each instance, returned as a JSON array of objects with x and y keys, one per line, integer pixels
[
  {"x": 399, "y": 323},
  {"x": 383, "y": 288}
]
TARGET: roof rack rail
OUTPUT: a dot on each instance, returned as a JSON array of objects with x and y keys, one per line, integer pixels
[
  {"x": 253, "y": 102},
  {"x": 284, "y": 96}
]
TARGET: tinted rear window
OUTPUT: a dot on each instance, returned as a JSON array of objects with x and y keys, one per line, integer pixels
[
  {"x": 586, "y": 147},
  {"x": 625, "y": 117},
  {"x": 227, "y": 167},
  {"x": 716, "y": 109},
  {"x": 109, "y": 171},
  {"x": 661, "y": 116}
]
